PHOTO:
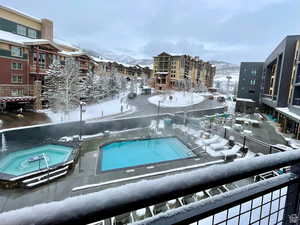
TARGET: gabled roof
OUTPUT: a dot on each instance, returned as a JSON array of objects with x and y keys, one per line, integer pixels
[
  {"x": 164, "y": 54},
  {"x": 42, "y": 42},
  {"x": 65, "y": 44}
]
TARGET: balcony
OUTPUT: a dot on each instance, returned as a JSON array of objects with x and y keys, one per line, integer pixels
[
  {"x": 41, "y": 69},
  {"x": 84, "y": 66},
  {"x": 194, "y": 197}
]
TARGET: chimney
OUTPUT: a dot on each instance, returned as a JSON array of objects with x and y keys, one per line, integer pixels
[{"x": 47, "y": 29}]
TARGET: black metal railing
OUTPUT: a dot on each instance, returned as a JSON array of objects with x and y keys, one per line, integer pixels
[{"x": 111, "y": 202}]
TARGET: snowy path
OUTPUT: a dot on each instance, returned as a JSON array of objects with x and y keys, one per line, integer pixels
[
  {"x": 95, "y": 111},
  {"x": 178, "y": 99}
]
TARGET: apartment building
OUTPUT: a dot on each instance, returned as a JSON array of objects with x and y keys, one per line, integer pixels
[
  {"x": 249, "y": 87},
  {"x": 280, "y": 96},
  {"x": 173, "y": 71},
  {"x": 27, "y": 48}
]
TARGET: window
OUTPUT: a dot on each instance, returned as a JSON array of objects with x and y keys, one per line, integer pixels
[
  {"x": 32, "y": 33},
  {"x": 16, "y": 92},
  {"x": 17, "y": 79},
  {"x": 253, "y": 72},
  {"x": 16, "y": 51},
  {"x": 21, "y": 30},
  {"x": 16, "y": 66},
  {"x": 252, "y": 82},
  {"x": 42, "y": 59}
]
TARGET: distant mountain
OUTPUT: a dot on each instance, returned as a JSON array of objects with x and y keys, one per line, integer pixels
[
  {"x": 224, "y": 69},
  {"x": 121, "y": 58}
]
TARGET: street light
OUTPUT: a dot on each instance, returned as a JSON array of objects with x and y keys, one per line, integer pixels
[
  {"x": 158, "y": 106},
  {"x": 81, "y": 104}
]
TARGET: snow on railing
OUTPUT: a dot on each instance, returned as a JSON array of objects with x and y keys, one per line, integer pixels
[{"x": 115, "y": 201}]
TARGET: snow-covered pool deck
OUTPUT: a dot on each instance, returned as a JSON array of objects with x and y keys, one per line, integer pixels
[{"x": 85, "y": 174}]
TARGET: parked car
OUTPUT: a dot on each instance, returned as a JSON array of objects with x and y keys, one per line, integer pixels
[
  {"x": 131, "y": 95},
  {"x": 210, "y": 97},
  {"x": 221, "y": 98}
]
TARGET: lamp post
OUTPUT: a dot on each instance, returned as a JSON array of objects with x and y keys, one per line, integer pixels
[
  {"x": 158, "y": 106},
  {"x": 81, "y": 104}
]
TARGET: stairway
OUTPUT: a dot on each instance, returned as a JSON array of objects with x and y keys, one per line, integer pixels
[{"x": 45, "y": 177}]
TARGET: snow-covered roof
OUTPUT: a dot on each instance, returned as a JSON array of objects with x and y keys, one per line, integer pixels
[
  {"x": 16, "y": 11},
  {"x": 99, "y": 60},
  {"x": 64, "y": 43},
  {"x": 41, "y": 42},
  {"x": 75, "y": 53},
  {"x": 245, "y": 100},
  {"x": 10, "y": 37},
  {"x": 150, "y": 66},
  {"x": 17, "y": 39},
  {"x": 286, "y": 111}
]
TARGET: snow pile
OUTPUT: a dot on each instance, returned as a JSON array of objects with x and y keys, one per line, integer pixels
[
  {"x": 107, "y": 108},
  {"x": 176, "y": 99}
]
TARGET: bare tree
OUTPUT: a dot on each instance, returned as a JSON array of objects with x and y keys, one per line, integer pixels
[{"x": 64, "y": 86}]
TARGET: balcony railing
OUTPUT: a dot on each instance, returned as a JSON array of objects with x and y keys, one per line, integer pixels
[
  {"x": 40, "y": 69},
  {"x": 266, "y": 96},
  {"x": 84, "y": 66},
  {"x": 296, "y": 101},
  {"x": 273, "y": 200}
]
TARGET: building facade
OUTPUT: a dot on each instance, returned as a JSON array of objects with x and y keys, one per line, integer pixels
[
  {"x": 175, "y": 71},
  {"x": 249, "y": 86},
  {"x": 281, "y": 85},
  {"x": 27, "y": 49}
]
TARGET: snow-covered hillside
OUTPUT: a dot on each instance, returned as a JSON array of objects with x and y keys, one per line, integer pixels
[
  {"x": 223, "y": 71},
  {"x": 121, "y": 58}
]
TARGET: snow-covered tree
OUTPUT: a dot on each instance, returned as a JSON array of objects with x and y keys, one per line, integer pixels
[{"x": 64, "y": 85}]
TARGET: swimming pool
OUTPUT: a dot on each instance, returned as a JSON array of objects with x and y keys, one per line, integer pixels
[
  {"x": 30, "y": 160},
  {"x": 131, "y": 153}
]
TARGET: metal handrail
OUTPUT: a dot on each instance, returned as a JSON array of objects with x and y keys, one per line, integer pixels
[{"x": 114, "y": 201}]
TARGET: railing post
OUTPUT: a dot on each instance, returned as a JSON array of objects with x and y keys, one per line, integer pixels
[
  {"x": 270, "y": 149},
  {"x": 291, "y": 210},
  {"x": 244, "y": 142}
]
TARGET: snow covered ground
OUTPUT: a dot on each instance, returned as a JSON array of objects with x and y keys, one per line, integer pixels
[
  {"x": 178, "y": 99},
  {"x": 103, "y": 109}
]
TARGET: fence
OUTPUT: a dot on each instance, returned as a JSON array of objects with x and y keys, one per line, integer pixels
[{"x": 271, "y": 201}]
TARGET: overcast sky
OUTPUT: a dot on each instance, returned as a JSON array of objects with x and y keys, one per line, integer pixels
[{"x": 231, "y": 30}]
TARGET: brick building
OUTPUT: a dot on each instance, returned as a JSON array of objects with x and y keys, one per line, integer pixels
[{"x": 27, "y": 49}]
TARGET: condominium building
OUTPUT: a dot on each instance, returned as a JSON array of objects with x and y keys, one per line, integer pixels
[
  {"x": 27, "y": 49},
  {"x": 280, "y": 95},
  {"x": 171, "y": 71}
]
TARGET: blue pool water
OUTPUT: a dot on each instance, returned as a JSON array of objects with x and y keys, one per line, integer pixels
[
  {"x": 140, "y": 152},
  {"x": 30, "y": 160}
]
